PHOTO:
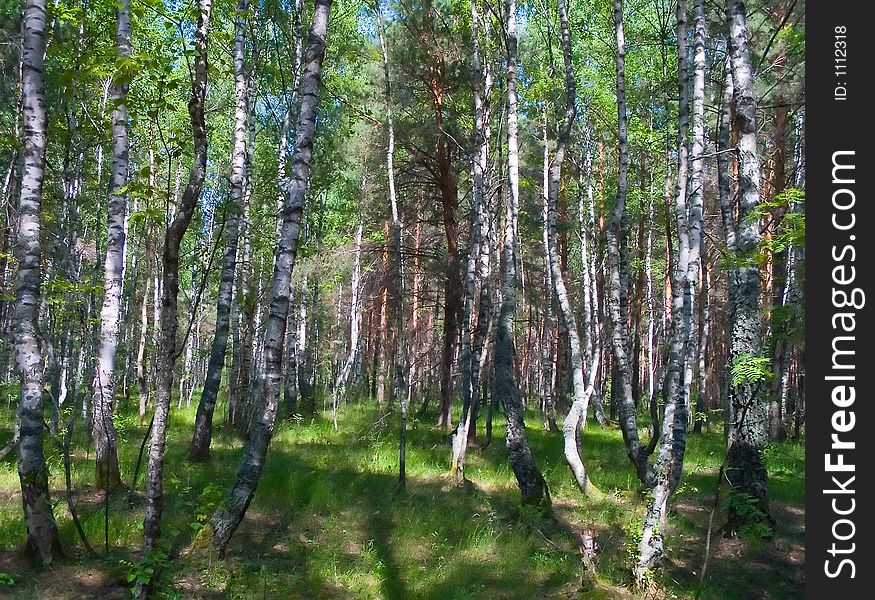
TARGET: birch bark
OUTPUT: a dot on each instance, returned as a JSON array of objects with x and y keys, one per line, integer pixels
[
  {"x": 203, "y": 424},
  {"x": 42, "y": 532},
  {"x": 748, "y": 432},
  {"x": 167, "y": 351},
  {"x": 533, "y": 487},
  {"x": 226, "y": 519},
  {"x": 102, "y": 429}
]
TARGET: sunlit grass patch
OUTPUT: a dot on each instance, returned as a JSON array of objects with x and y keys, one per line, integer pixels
[{"x": 327, "y": 521}]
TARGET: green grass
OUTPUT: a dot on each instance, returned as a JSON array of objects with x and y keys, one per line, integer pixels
[{"x": 326, "y": 521}]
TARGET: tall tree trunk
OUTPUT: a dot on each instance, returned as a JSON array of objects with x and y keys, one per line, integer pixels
[
  {"x": 685, "y": 272},
  {"x": 167, "y": 351},
  {"x": 696, "y": 195},
  {"x": 146, "y": 333},
  {"x": 354, "y": 323},
  {"x": 485, "y": 317},
  {"x": 618, "y": 268},
  {"x": 533, "y": 487},
  {"x": 226, "y": 519},
  {"x": 239, "y": 385},
  {"x": 203, "y": 423},
  {"x": 791, "y": 294},
  {"x": 547, "y": 393},
  {"x": 592, "y": 320},
  {"x": 447, "y": 184},
  {"x": 651, "y": 316},
  {"x": 290, "y": 376},
  {"x": 782, "y": 281},
  {"x": 414, "y": 373},
  {"x": 749, "y": 426},
  {"x": 383, "y": 336},
  {"x": 467, "y": 364},
  {"x": 702, "y": 354},
  {"x": 305, "y": 389},
  {"x": 582, "y": 389},
  {"x": 42, "y": 532},
  {"x": 400, "y": 352},
  {"x": 102, "y": 428}
]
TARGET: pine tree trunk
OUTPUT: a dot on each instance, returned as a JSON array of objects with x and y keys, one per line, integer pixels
[
  {"x": 453, "y": 293},
  {"x": 203, "y": 424},
  {"x": 42, "y": 532},
  {"x": 226, "y": 519}
]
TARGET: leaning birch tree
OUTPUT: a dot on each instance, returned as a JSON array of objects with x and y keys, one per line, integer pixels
[
  {"x": 168, "y": 317},
  {"x": 226, "y": 519},
  {"x": 581, "y": 387},
  {"x": 203, "y": 424}
]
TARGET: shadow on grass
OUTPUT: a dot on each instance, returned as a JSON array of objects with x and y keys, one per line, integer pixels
[{"x": 325, "y": 522}]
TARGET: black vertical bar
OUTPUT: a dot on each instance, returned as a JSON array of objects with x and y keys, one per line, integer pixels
[{"x": 838, "y": 279}]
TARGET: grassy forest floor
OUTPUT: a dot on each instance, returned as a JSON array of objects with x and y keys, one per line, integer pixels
[{"x": 326, "y": 522}]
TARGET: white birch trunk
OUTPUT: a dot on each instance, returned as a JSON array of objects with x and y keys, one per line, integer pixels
[
  {"x": 749, "y": 426},
  {"x": 102, "y": 428},
  {"x": 203, "y": 424},
  {"x": 354, "y": 323},
  {"x": 167, "y": 351},
  {"x": 42, "y": 532}
]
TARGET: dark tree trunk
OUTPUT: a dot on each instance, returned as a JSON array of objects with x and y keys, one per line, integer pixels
[
  {"x": 533, "y": 488},
  {"x": 226, "y": 519},
  {"x": 203, "y": 424}
]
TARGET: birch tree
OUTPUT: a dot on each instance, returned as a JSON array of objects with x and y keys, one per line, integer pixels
[
  {"x": 203, "y": 424},
  {"x": 582, "y": 388},
  {"x": 168, "y": 319},
  {"x": 618, "y": 272},
  {"x": 468, "y": 362},
  {"x": 533, "y": 487},
  {"x": 354, "y": 323},
  {"x": 748, "y": 427},
  {"x": 226, "y": 519},
  {"x": 401, "y": 351},
  {"x": 42, "y": 532},
  {"x": 106, "y": 468},
  {"x": 685, "y": 272}
]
